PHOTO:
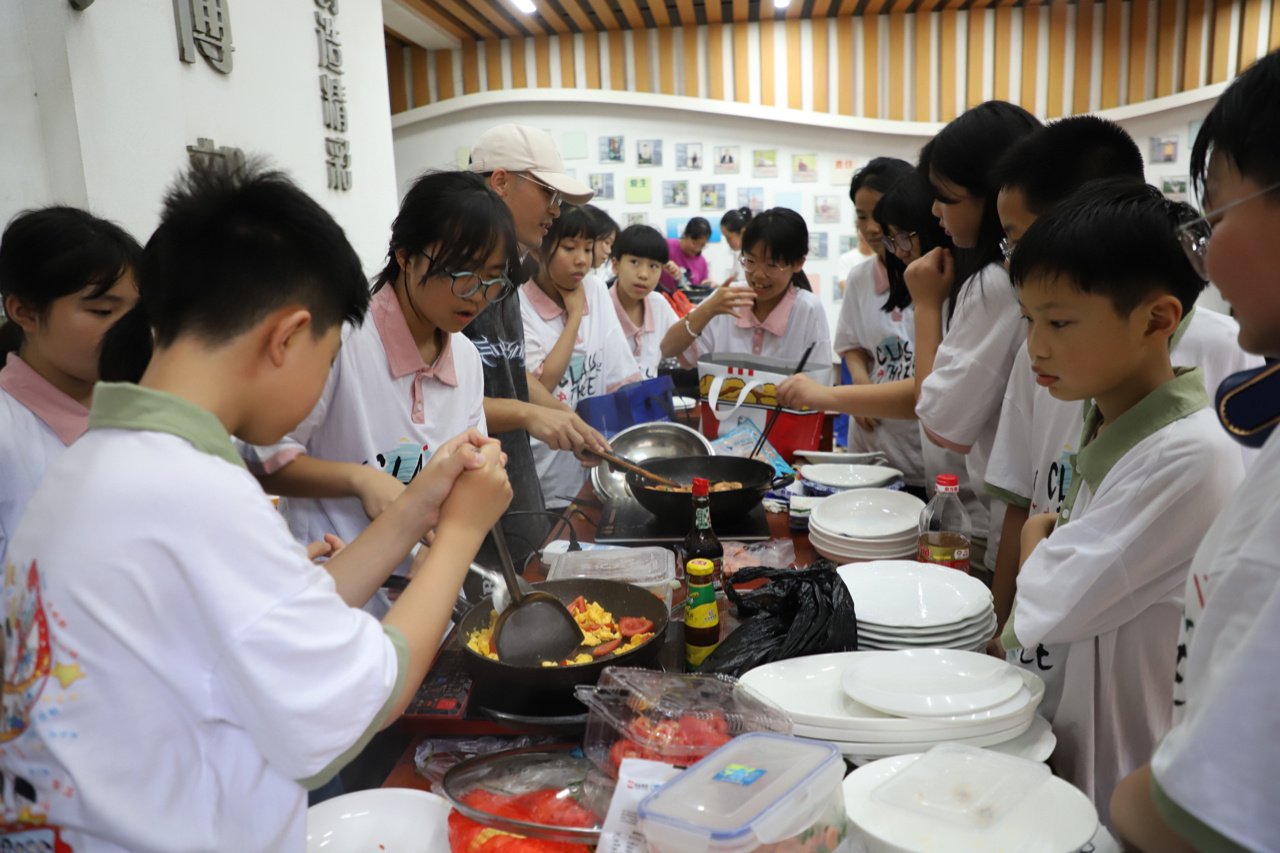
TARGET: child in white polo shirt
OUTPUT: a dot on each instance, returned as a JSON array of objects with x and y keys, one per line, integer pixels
[
  {"x": 176, "y": 669},
  {"x": 406, "y": 381},
  {"x": 1103, "y": 284},
  {"x": 66, "y": 276},
  {"x": 573, "y": 342},
  {"x": 1211, "y": 784}
]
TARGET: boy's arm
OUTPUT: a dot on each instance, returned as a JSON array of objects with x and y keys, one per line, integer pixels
[
  {"x": 887, "y": 400},
  {"x": 308, "y": 477},
  {"x": 1005, "y": 579},
  {"x": 1136, "y": 819}
]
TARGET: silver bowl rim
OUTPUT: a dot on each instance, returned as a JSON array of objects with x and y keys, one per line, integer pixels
[{"x": 597, "y": 477}]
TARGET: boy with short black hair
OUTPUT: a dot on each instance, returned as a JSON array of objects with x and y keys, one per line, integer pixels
[
  {"x": 1212, "y": 783},
  {"x": 638, "y": 256},
  {"x": 1103, "y": 284},
  {"x": 174, "y": 661}
]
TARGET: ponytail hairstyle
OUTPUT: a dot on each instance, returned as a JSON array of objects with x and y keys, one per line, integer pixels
[
  {"x": 456, "y": 212},
  {"x": 785, "y": 238},
  {"x": 908, "y": 208},
  {"x": 54, "y": 252},
  {"x": 966, "y": 153},
  {"x": 735, "y": 220}
]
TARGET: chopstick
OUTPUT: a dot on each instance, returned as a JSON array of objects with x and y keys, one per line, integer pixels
[
  {"x": 633, "y": 468},
  {"x": 777, "y": 410}
]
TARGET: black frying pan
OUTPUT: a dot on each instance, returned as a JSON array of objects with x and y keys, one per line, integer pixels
[
  {"x": 548, "y": 691},
  {"x": 756, "y": 477}
]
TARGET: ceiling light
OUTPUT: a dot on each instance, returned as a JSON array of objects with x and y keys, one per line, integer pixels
[
  {"x": 781, "y": 4},
  {"x": 528, "y": 8}
]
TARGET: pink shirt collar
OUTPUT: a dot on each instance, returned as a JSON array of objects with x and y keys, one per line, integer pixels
[
  {"x": 881, "y": 276},
  {"x": 629, "y": 329},
  {"x": 776, "y": 322},
  {"x": 65, "y": 416},
  {"x": 544, "y": 305},
  {"x": 403, "y": 356}
]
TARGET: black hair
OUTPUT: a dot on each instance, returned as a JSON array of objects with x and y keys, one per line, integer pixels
[
  {"x": 53, "y": 252},
  {"x": 1244, "y": 126},
  {"x": 880, "y": 174},
  {"x": 457, "y": 212},
  {"x": 236, "y": 242},
  {"x": 605, "y": 224},
  {"x": 1117, "y": 238},
  {"x": 642, "y": 241},
  {"x": 965, "y": 153},
  {"x": 1048, "y": 165},
  {"x": 697, "y": 228},
  {"x": 908, "y": 207},
  {"x": 573, "y": 222},
  {"x": 735, "y": 220},
  {"x": 785, "y": 238}
]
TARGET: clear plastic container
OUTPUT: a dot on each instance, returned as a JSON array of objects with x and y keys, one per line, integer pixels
[
  {"x": 946, "y": 532},
  {"x": 679, "y": 719},
  {"x": 762, "y": 792},
  {"x": 653, "y": 569}
]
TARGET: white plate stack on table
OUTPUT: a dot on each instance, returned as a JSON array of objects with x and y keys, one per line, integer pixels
[
  {"x": 955, "y": 797},
  {"x": 826, "y": 479},
  {"x": 902, "y": 604},
  {"x": 926, "y": 697},
  {"x": 866, "y": 524}
]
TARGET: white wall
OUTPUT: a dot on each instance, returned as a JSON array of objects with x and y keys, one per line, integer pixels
[
  {"x": 114, "y": 108},
  {"x": 429, "y": 138}
]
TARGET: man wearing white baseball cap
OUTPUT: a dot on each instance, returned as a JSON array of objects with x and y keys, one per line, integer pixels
[{"x": 522, "y": 165}]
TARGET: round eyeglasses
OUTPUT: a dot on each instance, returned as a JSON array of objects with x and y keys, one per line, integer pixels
[
  {"x": 1194, "y": 235},
  {"x": 900, "y": 242}
]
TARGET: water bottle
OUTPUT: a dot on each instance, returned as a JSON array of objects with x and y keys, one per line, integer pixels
[{"x": 945, "y": 530}]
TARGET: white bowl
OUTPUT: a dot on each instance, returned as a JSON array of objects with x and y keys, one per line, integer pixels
[
  {"x": 916, "y": 595},
  {"x": 931, "y": 682},
  {"x": 869, "y": 514},
  {"x": 386, "y": 820},
  {"x": 849, "y": 476}
]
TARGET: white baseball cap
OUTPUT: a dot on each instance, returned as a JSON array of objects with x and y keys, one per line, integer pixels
[{"x": 519, "y": 148}]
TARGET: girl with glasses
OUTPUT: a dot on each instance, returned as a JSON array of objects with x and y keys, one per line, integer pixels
[{"x": 406, "y": 380}]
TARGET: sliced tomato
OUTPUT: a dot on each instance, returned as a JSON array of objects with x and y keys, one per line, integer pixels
[
  {"x": 493, "y": 647},
  {"x": 703, "y": 732},
  {"x": 555, "y": 808},
  {"x": 629, "y": 626},
  {"x": 578, "y": 606},
  {"x": 605, "y": 648}
]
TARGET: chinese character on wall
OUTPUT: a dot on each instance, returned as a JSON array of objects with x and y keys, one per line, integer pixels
[
  {"x": 333, "y": 96},
  {"x": 205, "y": 150},
  {"x": 338, "y": 162},
  {"x": 204, "y": 26}
]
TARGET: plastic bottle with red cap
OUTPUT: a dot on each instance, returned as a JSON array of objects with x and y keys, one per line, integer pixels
[{"x": 946, "y": 534}]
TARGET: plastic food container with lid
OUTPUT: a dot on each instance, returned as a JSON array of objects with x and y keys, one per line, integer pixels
[
  {"x": 653, "y": 569},
  {"x": 678, "y": 719},
  {"x": 762, "y": 792}
]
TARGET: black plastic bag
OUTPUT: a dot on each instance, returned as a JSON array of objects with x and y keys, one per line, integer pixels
[{"x": 799, "y": 612}]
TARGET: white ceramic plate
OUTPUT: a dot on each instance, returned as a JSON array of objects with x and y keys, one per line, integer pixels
[
  {"x": 389, "y": 820},
  {"x": 938, "y": 730},
  {"x": 879, "y": 749},
  {"x": 1035, "y": 744},
  {"x": 911, "y": 632},
  {"x": 882, "y": 546},
  {"x": 1054, "y": 818},
  {"x": 931, "y": 682},
  {"x": 827, "y": 456},
  {"x": 976, "y": 646},
  {"x": 808, "y": 689},
  {"x": 983, "y": 627},
  {"x": 869, "y": 514},
  {"x": 915, "y": 595},
  {"x": 849, "y": 476}
]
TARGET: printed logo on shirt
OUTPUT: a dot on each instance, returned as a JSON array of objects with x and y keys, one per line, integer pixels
[
  {"x": 1192, "y": 607},
  {"x": 492, "y": 352},
  {"x": 581, "y": 378},
  {"x": 405, "y": 461},
  {"x": 895, "y": 359},
  {"x": 1057, "y": 484},
  {"x": 28, "y": 656},
  {"x": 32, "y": 835}
]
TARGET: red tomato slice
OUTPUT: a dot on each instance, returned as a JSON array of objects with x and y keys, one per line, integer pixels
[
  {"x": 578, "y": 605},
  {"x": 629, "y": 626},
  {"x": 605, "y": 648}
]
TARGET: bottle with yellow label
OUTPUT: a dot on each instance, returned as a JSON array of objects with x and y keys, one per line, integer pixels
[{"x": 701, "y": 616}]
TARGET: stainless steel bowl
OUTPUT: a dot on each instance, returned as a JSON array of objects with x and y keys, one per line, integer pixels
[{"x": 658, "y": 440}]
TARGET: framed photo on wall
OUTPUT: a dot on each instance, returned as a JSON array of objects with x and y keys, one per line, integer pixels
[
  {"x": 637, "y": 219},
  {"x": 764, "y": 163},
  {"x": 713, "y": 196},
  {"x": 675, "y": 193},
  {"x": 817, "y": 245},
  {"x": 612, "y": 149},
  {"x": 649, "y": 152},
  {"x": 1164, "y": 149},
  {"x": 1175, "y": 189},
  {"x": 728, "y": 159},
  {"x": 602, "y": 184},
  {"x": 751, "y": 198},
  {"x": 804, "y": 168},
  {"x": 689, "y": 156},
  {"x": 826, "y": 209}
]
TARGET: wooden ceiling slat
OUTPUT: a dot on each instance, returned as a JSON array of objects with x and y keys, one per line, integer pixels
[
  {"x": 463, "y": 12},
  {"x": 741, "y": 11},
  {"x": 632, "y": 13},
  {"x": 552, "y": 17},
  {"x": 714, "y": 10},
  {"x": 688, "y": 18},
  {"x": 795, "y": 10},
  {"x": 440, "y": 19},
  {"x": 529, "y": 22},
  {"x": 575, "y": 10},
  {"x": 847, "y": 7},
  {"x": 658, "y": 11},
  {"x": 822, "y": 8},
  {"x": 498, "y": 19},
  {"x": 605, "y": 15}
]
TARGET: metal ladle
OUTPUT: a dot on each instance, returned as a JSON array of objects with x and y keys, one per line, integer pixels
[{"x": 536, "y": 626}]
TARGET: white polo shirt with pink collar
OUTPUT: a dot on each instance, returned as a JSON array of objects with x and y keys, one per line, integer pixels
[
  {"x": 646, "y": 338},
  {"x": 601, "y": 363},
  {"x": 382, "y": 406},
  {"x": 37, "y": 422},
  {"x": 797, "y": 321}
]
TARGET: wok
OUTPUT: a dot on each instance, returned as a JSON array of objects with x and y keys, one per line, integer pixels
[
  {"x": 546, "y": 691},
  {"x": 756, "y": 478}
]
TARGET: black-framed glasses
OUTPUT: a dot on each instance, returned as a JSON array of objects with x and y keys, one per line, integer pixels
[
  {"x": 465, "y": 284},
  {"x": 1006, "y": 248},
  {"x": 1195, "y": 234},
  {"x": 751, "y": 265},
  {"x": 900, "y": 242},
  {"x": 554, "y": 197}
]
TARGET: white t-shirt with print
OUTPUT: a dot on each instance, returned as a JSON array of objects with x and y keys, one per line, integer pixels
[
  {"x": 381, "y": 407},
  {"x": 646, "y": 339},
  {"x": 1103, "y": 597},
  {"x": 1218, "y": 762},
  {"x": 176, "y": 662},
  {"x": 960, "y": 400},
  {"x": 600, "y": 364},
  {"x": 889, "y": 338},
  {"x": 1032, "y": 464},
  {"x": 797, "y": 321}
]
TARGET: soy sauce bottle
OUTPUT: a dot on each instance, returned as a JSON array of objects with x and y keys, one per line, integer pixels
[
  {"x": 701, "y": 613},
  {"x": 701, "y": 543}
]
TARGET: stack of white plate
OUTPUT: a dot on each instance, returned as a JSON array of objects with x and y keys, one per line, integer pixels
[
  {"x": 966, "y": 698},
  {"x": 866, "y": 524},
  {"x": 827, "y": 479},
  {"x": 902, "y": 604}
]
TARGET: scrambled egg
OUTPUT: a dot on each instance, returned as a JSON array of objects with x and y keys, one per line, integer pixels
[{"x": 597, "y": 625}]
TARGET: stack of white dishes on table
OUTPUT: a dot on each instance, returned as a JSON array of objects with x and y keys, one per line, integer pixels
[
  {"x": 956, "y": 797},
  {"x": 866, "y": 524},
  {"x": 902, "y": 604},
  {"x": 873, "y": 704},
  {"x": 826, "y": 479}
]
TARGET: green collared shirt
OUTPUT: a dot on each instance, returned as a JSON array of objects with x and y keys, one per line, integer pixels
[{"x": 120, "y": 405}]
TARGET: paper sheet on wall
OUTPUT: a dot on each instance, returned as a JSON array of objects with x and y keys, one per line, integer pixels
[
  {"x": 639, "y": 190},
  {"x": 637, "y": 778},
  {"x": 573, "y": 145}
]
